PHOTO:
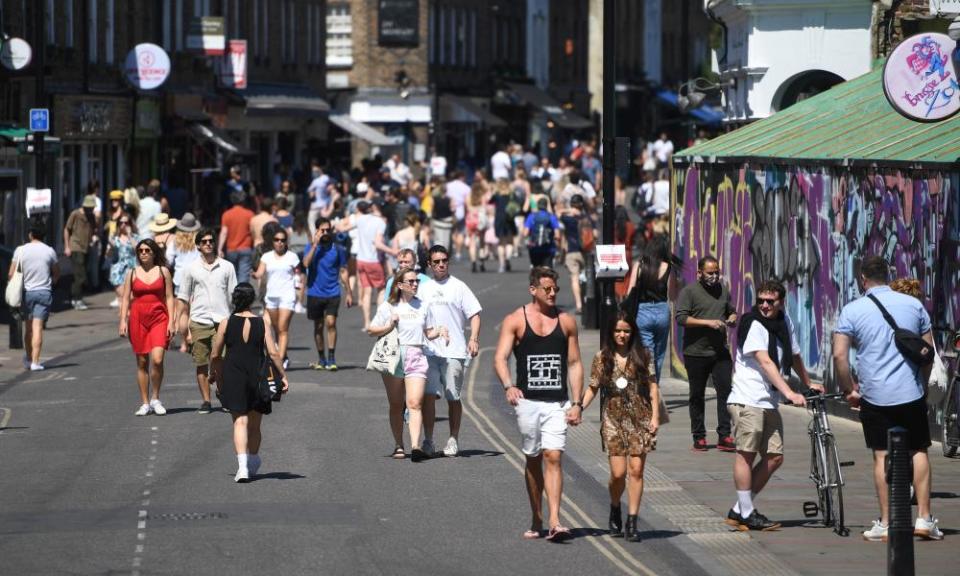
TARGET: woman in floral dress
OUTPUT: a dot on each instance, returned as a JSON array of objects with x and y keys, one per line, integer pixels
[
  {"x": 623, "y": 376},
  {"x": 122, "y": 244}
]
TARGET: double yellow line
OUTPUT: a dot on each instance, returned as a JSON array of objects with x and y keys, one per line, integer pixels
[{"x": 610, "y": 548}]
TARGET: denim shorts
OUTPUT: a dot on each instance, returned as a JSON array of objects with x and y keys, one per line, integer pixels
[{"x": 37, "y": 304}]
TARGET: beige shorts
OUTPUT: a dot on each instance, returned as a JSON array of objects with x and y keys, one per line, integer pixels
[
  {"x": 574, "y": 262},
  {"x": 202, "y": 335},
  {"x": 757, "y": 429}
]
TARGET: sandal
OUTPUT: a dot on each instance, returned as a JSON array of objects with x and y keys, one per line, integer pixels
[
  {"x": 398, "y": 453},
  {"x": 559, "y": 533},
  {"x": 531, "y": 535}
]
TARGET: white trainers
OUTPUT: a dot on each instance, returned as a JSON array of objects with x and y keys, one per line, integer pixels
[
  {"x": 926, "y": 528},
  {"x": 243, "y": 475},
  {"x": 143, "y": 410},
  {"x": 878, "y": 533},
  {"x": 299, "y": 309},
  {"x": 157, "y": 407},
  {"x": 115, "y": 303},
  {"x": 451, "y": 449},
  {"x": 36, "y": 367},
  {"x": 80, "y": 305}
]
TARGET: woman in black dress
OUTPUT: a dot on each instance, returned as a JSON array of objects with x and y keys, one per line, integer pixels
[{"x": 237, "y": 373}]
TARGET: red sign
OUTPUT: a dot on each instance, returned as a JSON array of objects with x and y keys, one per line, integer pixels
[{"x": 233, "y": 65}]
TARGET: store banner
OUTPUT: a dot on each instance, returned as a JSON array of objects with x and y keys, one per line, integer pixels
[
  {"x": 207, "y": 35},
  {"x": 233, "y": 65}
]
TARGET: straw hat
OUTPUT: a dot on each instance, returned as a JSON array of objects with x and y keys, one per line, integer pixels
[
  {"x": 188, "y": 223},
  {"x": 116, "y": 194},
  {"x": 162, "y": 222},
  {"x": 89, "y": 202}
]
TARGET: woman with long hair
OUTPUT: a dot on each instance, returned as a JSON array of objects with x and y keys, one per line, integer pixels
[
  {"x": 281, "y": 267},
  {"x": 146, "y": 317},
  {"x": 409, "y": 235},
  {"x": 651, "y": 275},
  {"x": 415, "y": 325},
  {"x": 182, "y": 252},
  {"x": 622, "y": 375},
  {"x": 247, "y": 339},
  {"x": 505, "y": 209},
  {"x": 476, "y": 224},
  {"x": 121, "y": 246},
  {"x": 520, "y": 186}
]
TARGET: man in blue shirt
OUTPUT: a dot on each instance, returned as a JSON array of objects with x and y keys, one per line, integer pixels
[
  {"x": 888, "y": 388},
  {"x": 542, "y": 231},
  {"x": 326, "y": 264}
]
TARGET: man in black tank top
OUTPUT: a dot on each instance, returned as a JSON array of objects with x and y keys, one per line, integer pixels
[{"x": 544, "y": 341}]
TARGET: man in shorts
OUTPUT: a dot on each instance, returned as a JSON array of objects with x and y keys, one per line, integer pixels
[
  {"x": 326, "y": 265},
  {"x": 452, "y": 303},
  {"x": 888, "y": 388},
  {"x": 766, "y": 351},
  {"x": 38, "y": 265},
  {"x": 545, "y": 343},
  {"x": 204, "y": 299},
  {"x": 371, "y": 228}
]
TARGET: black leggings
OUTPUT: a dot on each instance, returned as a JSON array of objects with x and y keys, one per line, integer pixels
[{"x": 699, "y": 369}]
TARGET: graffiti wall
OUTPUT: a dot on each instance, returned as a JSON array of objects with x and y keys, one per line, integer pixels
[{"x": 809, "y": 227}]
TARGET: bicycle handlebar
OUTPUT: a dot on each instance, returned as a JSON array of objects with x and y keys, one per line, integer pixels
[{"x": 811, "y": 394}]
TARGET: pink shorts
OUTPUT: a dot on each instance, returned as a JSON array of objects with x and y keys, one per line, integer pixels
[
  {"x": 371, "y": 275},
  {"x": 414, "y": 362}
]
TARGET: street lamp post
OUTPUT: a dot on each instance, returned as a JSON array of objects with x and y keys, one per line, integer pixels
[{"x": 608, "y": 306}]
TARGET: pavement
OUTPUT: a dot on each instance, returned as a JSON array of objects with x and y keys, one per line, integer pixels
[{"x": 87, "y": 488}]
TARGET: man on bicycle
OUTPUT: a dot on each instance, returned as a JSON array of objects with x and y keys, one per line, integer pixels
[
  {"x": 766, "y": 351},
  {"x": 889, "y": 388}
]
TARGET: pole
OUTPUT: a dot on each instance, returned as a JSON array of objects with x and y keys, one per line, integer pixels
[
  {"x": 900, "y": 528},
  {"x": 608, "y": 305}
]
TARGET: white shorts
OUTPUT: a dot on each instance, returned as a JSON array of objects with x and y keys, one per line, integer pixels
[
  {"x": 543, "y": 425},
  {"x": 445, "y": 377},
  {"x": 288, "y": 302}
]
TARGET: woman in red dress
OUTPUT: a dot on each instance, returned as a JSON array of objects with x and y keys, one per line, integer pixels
[{"x": 146, "y": 317}]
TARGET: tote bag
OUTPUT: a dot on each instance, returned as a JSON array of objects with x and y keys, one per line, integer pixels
[
  {"x": 385, "y": 355},
  {"x": 14, "y": 292}
]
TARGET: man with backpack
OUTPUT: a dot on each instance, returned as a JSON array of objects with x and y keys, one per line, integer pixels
[
  {"x": 542, "y": 232},
  {"x": 577, "y": 243}
]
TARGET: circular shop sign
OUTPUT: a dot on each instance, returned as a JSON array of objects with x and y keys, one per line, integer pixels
[
  {"x": 16, "y": 54},
  {"x": 147, "y": 66},
  {"x": 919, "y": 78}
]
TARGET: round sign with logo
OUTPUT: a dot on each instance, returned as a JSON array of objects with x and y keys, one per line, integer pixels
[
  {"x": 16, "y": 54},
  {"x": 147, "y": 66},
  {"x": 920, "y": 80}
]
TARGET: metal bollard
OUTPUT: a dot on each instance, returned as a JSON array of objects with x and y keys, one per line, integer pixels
[{"x": 899, "y": 473}]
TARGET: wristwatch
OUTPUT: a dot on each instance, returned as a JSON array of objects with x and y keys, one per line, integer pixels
[{"x": 580, "y": 404}]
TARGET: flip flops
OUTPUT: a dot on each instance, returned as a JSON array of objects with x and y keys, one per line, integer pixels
[
  {"x": 531, "y": 535},
  {"x": 559, "y": 534},
  {"x": 398, "y": 453}
]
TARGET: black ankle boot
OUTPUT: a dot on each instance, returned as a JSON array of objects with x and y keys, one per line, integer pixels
[
  {"x": 615, "y": 525},
  {"x": 631, "y": 534}
]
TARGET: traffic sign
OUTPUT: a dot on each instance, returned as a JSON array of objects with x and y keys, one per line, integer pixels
[{"x": 39, "y": 119}]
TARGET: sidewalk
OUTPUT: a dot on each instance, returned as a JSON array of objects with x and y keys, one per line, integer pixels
[
  {"x": 67, "y": 331},
  {"x": 801, "y": 546}
]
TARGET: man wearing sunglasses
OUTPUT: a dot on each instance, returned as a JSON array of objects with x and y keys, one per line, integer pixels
[
  {"x": 705, "y": 312},
  {"x": 452, "y": 303},
  {"x": 767, "y": 350},
  {"x": 204, "y": 301}
]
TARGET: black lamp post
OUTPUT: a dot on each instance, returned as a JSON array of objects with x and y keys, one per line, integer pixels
[{"x": 608, "y": 305}]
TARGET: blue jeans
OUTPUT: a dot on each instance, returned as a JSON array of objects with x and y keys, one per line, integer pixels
[
  {"x": 242, "y": 261},
  {"x": 653, "y": 321}
]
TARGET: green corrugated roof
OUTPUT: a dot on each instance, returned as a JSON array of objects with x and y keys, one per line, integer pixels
[{"x": 852, "y": 123}]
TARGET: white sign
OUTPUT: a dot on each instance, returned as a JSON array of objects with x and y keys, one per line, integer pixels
[
  {"x": 944, "y": 7},
  {"x": 147, "y": 66},
  {"x": 611, "y": 261},
  {"x": 233, "y": 66},
  {"x": 206, "y": 34},
  {"x": 38, "y": 201},
  {"x": 16, "y": 54},
  {"x": 919, "y": 78}
]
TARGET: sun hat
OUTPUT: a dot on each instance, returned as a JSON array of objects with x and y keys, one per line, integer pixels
[
  {"x": 116, "y": 194},
  {"x": 188, "y": 223},
  {"x": 89, "y": 202},
  {"x": 162, "y": 222}
]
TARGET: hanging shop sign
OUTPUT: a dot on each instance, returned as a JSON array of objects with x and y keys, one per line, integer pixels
[
  {"x": 147, "y": 66},
  {"x": 207, "y": 35},
  {"x": 92, "y": 118},
  {"x": 38, "y": 201},
  {"x": 233, "y": 65},
  {"x": 399, "y": 23},
  {"x": 920, "y": 80},
  {"x": 15, "y": 54}
]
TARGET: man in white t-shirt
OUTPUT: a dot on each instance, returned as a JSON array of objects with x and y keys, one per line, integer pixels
[
  {"x": 438, "y": 165},
  {"x": 451, "y": 303},
  {"x": 371, "y": 228},
  {"x": 501, "y": 166},
  {"x": 320, "y": 196},
  {"x": 766, "y": 351},
  {"x": 663, "y": 149},
  {"x": 39, "y": 269},
  {"x": 458, "y": 191}
]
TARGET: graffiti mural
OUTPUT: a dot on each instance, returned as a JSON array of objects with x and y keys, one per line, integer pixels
[{"x": 809, "y": 227}]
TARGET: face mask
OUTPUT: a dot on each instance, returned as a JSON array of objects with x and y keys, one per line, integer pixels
[{"x": 710, "y": 281}]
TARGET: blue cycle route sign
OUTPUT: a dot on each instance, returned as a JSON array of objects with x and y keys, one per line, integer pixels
[{"x": 39, "y": 119}]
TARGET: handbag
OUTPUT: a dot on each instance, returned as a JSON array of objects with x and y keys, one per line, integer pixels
[
  {"x": 269, "y": 387},
  {"x": 385, "y": 355},
  {"x": 14, "y": 292},
  {"x": 911, "y": 345},
  {"x": 632, "y": 300}
]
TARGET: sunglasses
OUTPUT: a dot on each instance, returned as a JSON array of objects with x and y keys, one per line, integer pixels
[
  {"x": 410, "y": 282},
  {"x": 284, "y": 240},
  {"x": 440, "y": 261},
  {"x": 206, "y": 241},
  {"x": 144, "y": 251},
  {"x": 768, "y": 301},
  {"x": 550, "y": 289}
]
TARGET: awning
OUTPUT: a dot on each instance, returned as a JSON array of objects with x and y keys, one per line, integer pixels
[
  {"x": 282, "y": 100},
  {"x": 703, "y": 113},
  {"x": 530, "y": 95},
  {"x": 363, "y": 131},
  {"x": 463, "y": 110},
  {"x": 204, "y": 134},
  {"x": 391, "y": 108},
  {"x": 12, "y": 133}
]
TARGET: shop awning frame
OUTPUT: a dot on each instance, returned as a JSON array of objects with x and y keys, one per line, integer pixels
[
  {"x": 204, "y": 134},
  {"x": 298, "y": 100},
  {"x": 461, "y": 109},
  {"x": 534, "y": 97},
  {"x": 363, "y": 131}
]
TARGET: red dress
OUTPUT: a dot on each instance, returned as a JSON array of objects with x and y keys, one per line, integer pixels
[{"x": 148, "y": 315}]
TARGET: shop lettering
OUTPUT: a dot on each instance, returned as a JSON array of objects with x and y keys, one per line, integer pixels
[{"x": 928, "y": 90}]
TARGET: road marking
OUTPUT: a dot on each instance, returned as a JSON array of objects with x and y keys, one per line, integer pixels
[
  {"x": 516, "y": 458},
  {"x": 143, "y": 512},
  {"x": 4, "y": 418},
  {"x": 487, "y": 289}
]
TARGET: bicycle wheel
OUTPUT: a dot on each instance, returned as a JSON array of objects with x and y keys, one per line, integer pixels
[
  {"x": 834, "y": 484},
  {"x": 821, "y": 478},
  {"x": 951, "y": 420}
]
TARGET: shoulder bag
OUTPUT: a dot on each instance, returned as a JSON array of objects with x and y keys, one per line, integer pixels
[
  {"x": 385, "y": 355},
  {"x": 269, "y": 386},
  {"x": 14, "y": 292},
  {"x": 912, "y": 346}
]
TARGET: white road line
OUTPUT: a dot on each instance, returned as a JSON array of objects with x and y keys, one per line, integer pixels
[
  {"x": 515, "y": 457},
  {"x": 4, "y": 418},
  {"x": 143, "y": 513}
]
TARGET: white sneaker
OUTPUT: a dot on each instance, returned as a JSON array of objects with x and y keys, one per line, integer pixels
[
  {"x": 878, "y": 533},
  {"x": 428, "y": 447},
  {"x": 243, "y": 476},
  {"x": 451, "y": 449},
  {"x": 115, "y": 303},
  {"x": 36, "y": 367},
  {"x": 143, "y": 410},
  {"x": 299, "y": 309},
  {"x": 158, "y": 407},
  {"x": 926, "y": 528},
  {"x": 80, "y": 305}
]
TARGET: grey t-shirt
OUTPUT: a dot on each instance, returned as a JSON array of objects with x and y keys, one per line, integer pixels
[
  {"x": 696, "y": 302},
  {"x": 37, "y": 263}
]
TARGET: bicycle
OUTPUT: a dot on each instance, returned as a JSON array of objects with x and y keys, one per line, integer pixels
[
  {"x": 825, "y": 466},
  {"x": 945, "y": 408}
]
